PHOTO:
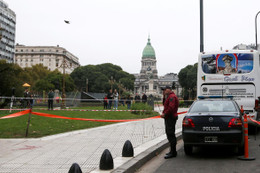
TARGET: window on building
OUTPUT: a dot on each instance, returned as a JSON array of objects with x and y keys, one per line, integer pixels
[
  {"x": 41, "y": 50},
  {"x": 57, "y": 62}
]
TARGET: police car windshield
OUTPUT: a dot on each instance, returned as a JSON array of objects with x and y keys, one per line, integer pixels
[{"x": 213, "y": 106}]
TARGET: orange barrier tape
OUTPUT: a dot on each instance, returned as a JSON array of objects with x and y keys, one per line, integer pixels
[
  {"x": 96, "y": 120},
  {"x": 16, "y": 114},
  {"x": 84, "y": 119},
  {"x": 94, "y": 110},
  {"x": 254, "y": 120}
]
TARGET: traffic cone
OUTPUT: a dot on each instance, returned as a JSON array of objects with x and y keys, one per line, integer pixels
[{"x": 246, "y": 155}]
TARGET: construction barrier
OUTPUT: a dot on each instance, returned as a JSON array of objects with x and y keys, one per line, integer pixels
[{"x": 246, "y": 155}]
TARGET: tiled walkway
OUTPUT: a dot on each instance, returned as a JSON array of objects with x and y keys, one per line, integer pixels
[{"x": 85, "y": 147}]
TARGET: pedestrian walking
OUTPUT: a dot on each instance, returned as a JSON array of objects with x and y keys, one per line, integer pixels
[
  {"x": 170, "y": 116},
  {"x": 50, "y": 99},
  {"x": 115, "y": 99}
]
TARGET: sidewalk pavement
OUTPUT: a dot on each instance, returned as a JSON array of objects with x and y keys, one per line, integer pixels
[{"x": 58, "y": 152}]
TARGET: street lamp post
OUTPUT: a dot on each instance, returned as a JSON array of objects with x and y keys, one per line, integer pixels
[
  {"x": 64, "y": 65},
  {"x": 256, "y": 46},
  {"x": 201, "y": 27}
]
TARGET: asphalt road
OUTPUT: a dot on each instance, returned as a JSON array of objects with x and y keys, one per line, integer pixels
[{"x": 208, "y": 160}]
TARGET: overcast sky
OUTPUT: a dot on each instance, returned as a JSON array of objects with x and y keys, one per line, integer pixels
[{"x": 116, "y": 31}]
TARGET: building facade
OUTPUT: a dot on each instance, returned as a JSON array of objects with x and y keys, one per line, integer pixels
[
  {"x": 49, "y": 56},
  {"x": 7, "y": 32},
  {"x": 148, "y": 81}
]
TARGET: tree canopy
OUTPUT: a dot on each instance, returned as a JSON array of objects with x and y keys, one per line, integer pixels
[
  {"x": 38, "y": 76},
  {"x": 101, "y": 77},
  {"x": 188, "y": 80}
]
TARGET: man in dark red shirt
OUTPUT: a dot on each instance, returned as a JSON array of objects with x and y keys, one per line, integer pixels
[{"x": 170, "y": 116}]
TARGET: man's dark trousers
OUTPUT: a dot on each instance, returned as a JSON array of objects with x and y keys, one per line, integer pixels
[{"x": 170, "y": 123}]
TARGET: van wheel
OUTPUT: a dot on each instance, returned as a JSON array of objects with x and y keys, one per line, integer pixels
[{"x": 188, "y": 149}]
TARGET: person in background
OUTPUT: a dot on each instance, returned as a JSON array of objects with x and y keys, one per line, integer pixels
[
  {"x": 26, "y": 101},
  {"x": 128, "y": 102},
  {"x": 115, "y": 99},
  {"x": 105, "y": 102},
  {"x": 50, "y": 99},
  {"x": 137, "y": 98},
  {"x": 31, "y": 100},
  {"x": 144, "y": 98},
  {"x": 110, "y": 97}
]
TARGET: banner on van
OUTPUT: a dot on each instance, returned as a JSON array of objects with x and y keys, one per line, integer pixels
[{"x": 227, "y": 63}]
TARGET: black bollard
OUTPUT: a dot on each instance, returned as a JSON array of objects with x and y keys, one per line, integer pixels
[
  {"x": 106, "y": 161},
  {"x": 128, "y": 150},
  {"x": 75, "y": 168}
]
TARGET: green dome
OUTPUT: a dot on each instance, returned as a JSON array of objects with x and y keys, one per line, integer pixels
[{"x": 148, "y": 51}]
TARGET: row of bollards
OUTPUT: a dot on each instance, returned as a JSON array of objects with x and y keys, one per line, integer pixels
[{"x": 106, "y": 160}]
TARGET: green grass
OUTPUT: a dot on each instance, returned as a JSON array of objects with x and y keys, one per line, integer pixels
[{"x": 43, "y": 126}]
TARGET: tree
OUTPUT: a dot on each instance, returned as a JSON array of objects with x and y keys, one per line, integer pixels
[
  {"x": 54, "y": 80},
  {"x": 101, "y": 77},
  {"x": 10, "y": 76},
  {"x": 188, "y": 80},
  {"x": 34, "y": 73}
]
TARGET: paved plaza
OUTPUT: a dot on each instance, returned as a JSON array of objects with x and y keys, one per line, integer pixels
[{"x": 58, "y": 152}]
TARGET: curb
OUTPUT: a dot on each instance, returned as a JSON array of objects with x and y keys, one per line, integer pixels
[{"x": 137, "y": 162}]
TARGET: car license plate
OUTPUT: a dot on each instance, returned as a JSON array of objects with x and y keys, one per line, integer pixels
[{"x": 211, "y": 139}]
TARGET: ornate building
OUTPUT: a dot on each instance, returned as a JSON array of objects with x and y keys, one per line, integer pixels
[{"x": 147, "y": 80}]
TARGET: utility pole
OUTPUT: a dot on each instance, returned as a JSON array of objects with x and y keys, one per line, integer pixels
[
  {"x": 256, "y": 46},
  {"x": 64, "y": 66},
  {"x": 201, "y": 27}
]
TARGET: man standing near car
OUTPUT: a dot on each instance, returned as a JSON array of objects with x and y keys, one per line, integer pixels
[{"x": 170, "y": 117}]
